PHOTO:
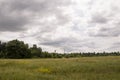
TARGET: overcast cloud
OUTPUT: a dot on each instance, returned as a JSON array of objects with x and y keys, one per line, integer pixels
[{"x": 70, "y": 25}]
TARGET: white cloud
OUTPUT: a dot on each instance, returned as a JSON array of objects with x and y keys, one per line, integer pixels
[{"x": 74, "y": 25}]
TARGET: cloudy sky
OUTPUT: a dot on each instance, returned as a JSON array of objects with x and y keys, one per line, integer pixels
[{"x": 70, "y": 25}]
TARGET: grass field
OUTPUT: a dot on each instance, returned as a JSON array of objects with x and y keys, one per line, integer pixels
[{"x": 84, "y": 68}]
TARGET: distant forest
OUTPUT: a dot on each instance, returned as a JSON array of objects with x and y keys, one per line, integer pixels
[{"x": 16, "y": 49}]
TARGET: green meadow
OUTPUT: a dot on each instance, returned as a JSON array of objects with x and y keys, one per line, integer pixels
[{"x": 83, "y": 68}]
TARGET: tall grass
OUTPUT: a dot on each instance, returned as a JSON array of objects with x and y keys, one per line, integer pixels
[{"x": 84, "y": 68}]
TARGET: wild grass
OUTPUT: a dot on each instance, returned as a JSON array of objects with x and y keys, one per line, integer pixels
[{"x": 84, "y": 68}]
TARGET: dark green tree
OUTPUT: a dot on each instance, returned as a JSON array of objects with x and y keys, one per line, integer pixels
[
  {"x": 36, "y": 51},
  {"x": 17, "y": 49},
  {"x": 2, "y": 49}
]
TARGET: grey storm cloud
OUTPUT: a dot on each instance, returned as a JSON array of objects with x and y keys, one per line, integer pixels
[
  {"x": 11, "y": 20},
  {"x": 69, "y": 44},
  {"x": 114, "y": 47},
  {"x": 107, "y": 32},
  {"x": 15, "y": 15},
  {"x": 11, "y": 23},
  {"x": 55, "y": 42},
  {"x": 99, "y": 19},
  {"x": 105, "y": 25},
  {"x": 62, "y": 43}
]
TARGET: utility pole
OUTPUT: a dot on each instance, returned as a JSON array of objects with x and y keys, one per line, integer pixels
[
  {"x": 55, "y": 51},
  {"x": 64, "y": 51}
]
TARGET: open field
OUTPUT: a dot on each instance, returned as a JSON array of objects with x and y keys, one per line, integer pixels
[{"x": 84, "y": 68}]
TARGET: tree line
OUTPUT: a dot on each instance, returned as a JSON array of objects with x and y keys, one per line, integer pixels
[{"x": 16, "y": 49}]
